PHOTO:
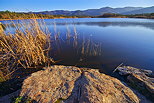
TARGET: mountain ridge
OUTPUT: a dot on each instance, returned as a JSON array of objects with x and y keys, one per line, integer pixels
[
  {"x": 142, "y": 11},
  {"x": 100, "y": 11}
]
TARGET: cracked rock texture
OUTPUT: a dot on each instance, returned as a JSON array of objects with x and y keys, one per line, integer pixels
[{"x": 68, "y": 84}]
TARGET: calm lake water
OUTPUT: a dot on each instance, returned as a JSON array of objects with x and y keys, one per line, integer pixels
[{"x": 102, "y": 43}]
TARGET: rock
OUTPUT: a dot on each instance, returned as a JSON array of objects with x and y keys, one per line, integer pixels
[
  {"x": 140, "y": 79},
  {"x": 127, "y": 70},
  {"x": 68, "y": 84}
]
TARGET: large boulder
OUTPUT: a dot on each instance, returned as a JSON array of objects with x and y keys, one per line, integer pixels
[
  {"x": 140, "y": 79},
  {"x": 68, "y": 84}
]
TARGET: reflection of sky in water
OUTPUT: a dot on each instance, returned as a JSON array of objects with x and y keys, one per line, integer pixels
[
  {"x": 130, "y": 41},
  {"x": 105, "y": 22}
]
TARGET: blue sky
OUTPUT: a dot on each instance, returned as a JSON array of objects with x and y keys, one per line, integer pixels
[{"x": 43, "y": 5}]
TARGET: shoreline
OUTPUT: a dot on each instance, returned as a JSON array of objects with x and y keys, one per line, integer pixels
[
  {"x": 74, "y": 17},
  {"x": 35, "y": 18}
]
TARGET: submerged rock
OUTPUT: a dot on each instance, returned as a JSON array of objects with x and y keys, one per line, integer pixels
[
  {"x": 68, "y": 84},
  {"x": 141, "y": 79}
]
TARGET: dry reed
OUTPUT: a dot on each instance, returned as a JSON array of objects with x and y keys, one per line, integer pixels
[{"x": 28, "y": 46}]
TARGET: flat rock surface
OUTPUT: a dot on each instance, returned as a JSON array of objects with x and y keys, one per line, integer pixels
[{"x": 68, "y": 84}]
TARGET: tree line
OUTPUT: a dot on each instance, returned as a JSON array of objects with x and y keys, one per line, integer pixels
[
  {"x": 14, "y": 15},
  {"x": 114, "y": 15}
]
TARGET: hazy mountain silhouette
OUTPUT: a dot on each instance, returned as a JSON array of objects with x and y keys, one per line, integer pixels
[
  {"x": 141, "y": 11},
  {"x": 96, "y": 12}
]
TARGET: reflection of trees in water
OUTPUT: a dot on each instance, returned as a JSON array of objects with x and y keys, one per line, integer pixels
[
  {"x": 149, "y": 25},
  {"x": 122, "y": 24}
]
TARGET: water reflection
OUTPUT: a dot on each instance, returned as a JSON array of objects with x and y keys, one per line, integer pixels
[
  {"x": 121, "y": 24},
  {"x": 91, "y": 22},
  {"x": 83, "y": 46},
  {"x": 77, "y": 51},
  {"x": 106, "y": 24},
  {"x": 100, "y": 43}
]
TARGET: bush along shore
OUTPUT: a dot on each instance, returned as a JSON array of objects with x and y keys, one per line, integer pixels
[
  {"x": 112, "y": 15},
  {"x": 28, "y": 49},
  {"x": 7, "y": 15}
]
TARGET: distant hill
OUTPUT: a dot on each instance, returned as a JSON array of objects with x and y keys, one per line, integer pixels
[
  {"x": 141, "y": 11},
  {"x": 92, "y": 12}
]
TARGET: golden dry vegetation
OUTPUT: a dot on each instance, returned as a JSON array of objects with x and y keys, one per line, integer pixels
[{"x": 27, "y": 47}]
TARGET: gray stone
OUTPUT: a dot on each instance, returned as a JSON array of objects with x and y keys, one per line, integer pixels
[
  {"x": 127, "y": 70},
  {"x": 142, "y": 79}
]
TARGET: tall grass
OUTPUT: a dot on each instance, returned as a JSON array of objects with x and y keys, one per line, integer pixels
[
  {"x": 30, "y": 45},
  {"x": 25, "y": 48}
]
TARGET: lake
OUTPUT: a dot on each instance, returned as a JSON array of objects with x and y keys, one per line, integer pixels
[{"x": 102, "y": 43}]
